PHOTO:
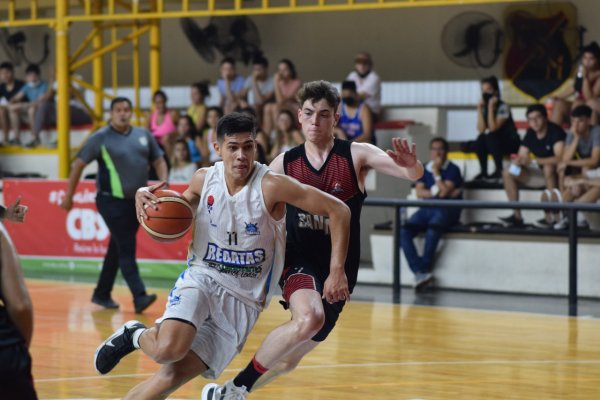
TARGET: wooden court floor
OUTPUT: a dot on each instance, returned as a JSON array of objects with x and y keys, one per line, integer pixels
[{"x": 378, "y": 351}]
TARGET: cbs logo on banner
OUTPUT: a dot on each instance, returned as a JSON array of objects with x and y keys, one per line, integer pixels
[{"x": 86, "y": 224}]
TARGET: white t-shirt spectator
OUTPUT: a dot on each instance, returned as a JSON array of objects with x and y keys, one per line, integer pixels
[
  {"x": 182, "y": 174},
  {"x": 264, "y": 87},
  {"x": 370, "y": 84}
]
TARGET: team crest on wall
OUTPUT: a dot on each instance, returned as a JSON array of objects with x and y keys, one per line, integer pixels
[{"x": 543, "y": 42}]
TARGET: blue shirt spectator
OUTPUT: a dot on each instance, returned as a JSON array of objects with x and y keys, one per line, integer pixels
[
  {"x": 441, "y": 180},
  {"x": 34, "y": 90}
]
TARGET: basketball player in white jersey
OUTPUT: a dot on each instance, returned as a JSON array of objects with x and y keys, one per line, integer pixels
[
  {"x": 334, "y": 166},
  {"x": 234, "y": 262}
]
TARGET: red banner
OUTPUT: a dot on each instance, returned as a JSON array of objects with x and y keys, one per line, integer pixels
[{"x": 81, "y": 232}]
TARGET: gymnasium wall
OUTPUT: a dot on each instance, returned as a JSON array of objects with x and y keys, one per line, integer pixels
[{"x": 405, "y": 44}]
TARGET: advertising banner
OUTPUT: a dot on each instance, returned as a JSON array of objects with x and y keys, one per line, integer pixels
[{"x": 53, "y": 239}]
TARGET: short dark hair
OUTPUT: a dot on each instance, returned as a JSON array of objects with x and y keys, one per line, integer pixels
[
  {"x": 593, "y": 49},
  {"x": 349, "y": 85},
  {"x": 443, "y": 141},
  {"x": 493, "y": 82},
  {"x": 32, "y": 68},
  {"x": 291, "y": 66},
  {"x": 260, "y": 60},
  {"x": 319, "y": 90},
  {"x": 537, "y": 108},
  {"x": 228, "y": 60},
  {"x": 236, "y": 122},
  {"x": 202, "y": 87},
  {"x": 118, "y": 100},
  {"x": 7, "y": 65},
  {"x": 582, "y": 111},
  {"x": 217, "y": 109},
  {"x": 161, "y": 94}
]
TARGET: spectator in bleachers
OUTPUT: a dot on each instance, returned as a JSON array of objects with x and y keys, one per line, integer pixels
[
  {"x": 9, "y": 87},
  {"x": 182, "y": 167},
  {"x": 285, "y": 84},
  {"x": 31, "y": 95},
  {"x": 441, "y": 180},
  {"x": 546, "y": 141},
  {"x": 262, "y": 140},
  {"x": 368, "y": 83},
  {"x": 356, "y": 121},
  {"x": 231, "y": 86},
  {"x": 581, "y": 154},
  {"x": 197, "y": 110},
  {"x": 285, "y": 136},
  {"x": 497, "y": 131},
  {"x": 590, "y": 183},
  {"x": 213, "y": 114},
  {"x": 586, "y": 88},
  {"x": 162, "y": 122},
  {"x": 186, "y": 130},
  {"x": 258, "y": 87},
  {"x": 46, "y": 113}
]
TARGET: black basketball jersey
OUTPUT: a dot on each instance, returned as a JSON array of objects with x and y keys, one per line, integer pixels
[
  {"x": 9, "y": 334},
  {"x": 308, "y": 236}
]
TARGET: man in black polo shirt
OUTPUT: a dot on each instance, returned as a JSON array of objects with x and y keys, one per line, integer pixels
[
  {"x": 546, "y": 141},
  {"x": 124, "y": 154},
  {"x": 9, "y": 87}
]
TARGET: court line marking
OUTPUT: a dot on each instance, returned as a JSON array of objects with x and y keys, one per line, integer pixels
[
  {"x": 402, "y": 305},
  {"x": 364, "y": 365}
]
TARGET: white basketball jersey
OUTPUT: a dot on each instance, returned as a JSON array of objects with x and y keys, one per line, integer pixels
[{"x": 236, "y": 241}]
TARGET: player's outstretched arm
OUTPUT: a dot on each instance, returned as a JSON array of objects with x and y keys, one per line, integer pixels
[
  {"x": 280, "y": 189},
  {"x": 15, "y": 212},
  {"x": 400, "y": 162},
  {"x": 14, "y": 291}
]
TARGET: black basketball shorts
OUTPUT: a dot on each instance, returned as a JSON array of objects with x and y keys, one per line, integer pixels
[{"x": 295, "y": 278}]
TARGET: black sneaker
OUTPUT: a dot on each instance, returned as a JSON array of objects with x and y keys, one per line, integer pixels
[
  {"x": 143, "y": 302},
  {"x": 496, "y": 177},
  {"x": 543, "y": 224},
  {"x": 480, "y": 177},
  {"x": 512, "y": 221},
  {"x": 117, "y": 346},
  {"x": 106, "y": 303}
]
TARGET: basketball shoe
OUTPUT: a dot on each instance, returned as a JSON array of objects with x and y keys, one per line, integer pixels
[
  {"x": 228, "y": 391},
  {"x": 117, "y": 346}
]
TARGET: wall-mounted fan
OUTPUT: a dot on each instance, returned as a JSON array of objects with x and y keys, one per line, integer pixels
[
  {"x": 473, "y": 40},
  {"x": 13, "y": 45},
  {"x": 235, "y": 37}
]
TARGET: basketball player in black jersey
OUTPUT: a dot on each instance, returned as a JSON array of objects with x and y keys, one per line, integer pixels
[
  {"x": 16, "y": 316},
  {"x": 311, "y": 286}
]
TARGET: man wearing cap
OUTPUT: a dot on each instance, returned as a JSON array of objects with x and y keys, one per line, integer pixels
[{"x": 368, "y": 83}]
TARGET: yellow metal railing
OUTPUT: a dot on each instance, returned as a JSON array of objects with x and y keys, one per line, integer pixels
[{"x": 143, "y": 16}]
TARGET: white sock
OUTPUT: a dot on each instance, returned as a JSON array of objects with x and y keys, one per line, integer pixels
[{"x": 136, "y": 337}]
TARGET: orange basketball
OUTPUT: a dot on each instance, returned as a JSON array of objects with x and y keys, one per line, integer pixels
[{"x": 173, "y": 218}]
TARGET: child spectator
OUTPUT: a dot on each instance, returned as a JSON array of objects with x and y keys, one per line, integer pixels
[
  {"x": 230, "y": 86},
  {"x": 285, "y": 136},
  {"x": 497, "y": 131},
  {"x": 9, "y": 87},
  {"x": 586, "y": 87},
  {"x": 286, "y": 85},
  {"x": 182, "y": 167},
  {"x": 368, "y": 83},
  {"x": 28, "y": 99},
  {"x": 356, "y": 122},
  {"x": 546, "y": 141},
  {"x": 186, "y": 130},
  {"x": 197, "y": 110}
]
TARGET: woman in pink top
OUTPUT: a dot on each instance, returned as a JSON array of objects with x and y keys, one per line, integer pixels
[
  {"x": 286, "y": 85},
  {"x": 162, "y": 121}
]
